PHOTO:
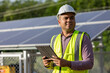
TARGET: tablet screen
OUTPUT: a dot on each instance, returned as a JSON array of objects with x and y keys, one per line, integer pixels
[{"x": 46, "y": 51}]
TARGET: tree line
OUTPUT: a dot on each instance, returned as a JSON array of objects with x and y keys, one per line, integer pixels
[{"x": 22, "y": 9}]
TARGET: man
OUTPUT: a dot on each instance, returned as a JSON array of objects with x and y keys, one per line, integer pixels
[{"x": 73, "y": 48}]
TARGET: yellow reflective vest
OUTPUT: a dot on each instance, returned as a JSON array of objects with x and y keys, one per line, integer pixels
[{"x": 72, "y": 52}]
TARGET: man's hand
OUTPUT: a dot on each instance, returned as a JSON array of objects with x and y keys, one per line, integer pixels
[
  {"x": 61, "y": 62},
  {"x": 46, "y": 61}
]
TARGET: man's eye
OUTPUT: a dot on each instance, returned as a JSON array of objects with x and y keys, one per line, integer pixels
[
  {"x": 66, "y": 18},
  {"x": 72, "y": 18}
]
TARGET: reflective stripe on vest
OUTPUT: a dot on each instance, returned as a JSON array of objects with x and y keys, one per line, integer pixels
[{"x": 72, "y": 52}]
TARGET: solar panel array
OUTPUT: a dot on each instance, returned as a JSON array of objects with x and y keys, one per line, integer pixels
[{"x": 38, "y": 31}]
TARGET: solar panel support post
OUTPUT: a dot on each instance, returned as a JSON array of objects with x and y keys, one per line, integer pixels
[
  {"x": 1, "y": 59},
  {"x": 101, "y": 55},
  {"x": 30, "y": 61},
  {"x": 25, "y": 61}
]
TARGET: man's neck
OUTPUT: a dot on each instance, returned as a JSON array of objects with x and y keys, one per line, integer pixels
[{"x": 66, "y": 34}]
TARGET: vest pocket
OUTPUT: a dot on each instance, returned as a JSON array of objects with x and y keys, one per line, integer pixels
[
  {"x": 66, "y": 70},
  {"x": 80, "y": 71},
  {"x": 56, "y": 69}
]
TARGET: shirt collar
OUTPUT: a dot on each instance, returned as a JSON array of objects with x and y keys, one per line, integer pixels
[{"x": 67, "y": 36}]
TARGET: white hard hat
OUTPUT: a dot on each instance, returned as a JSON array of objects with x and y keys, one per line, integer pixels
[{"x": 64, "y": 9}]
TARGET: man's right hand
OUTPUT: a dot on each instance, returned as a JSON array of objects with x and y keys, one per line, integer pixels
[{"x": 46, "y": 61}]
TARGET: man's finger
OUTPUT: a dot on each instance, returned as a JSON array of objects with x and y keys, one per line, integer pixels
[
  {"x": 43, "y": 57},
  {"x": 55, "y": 57}
]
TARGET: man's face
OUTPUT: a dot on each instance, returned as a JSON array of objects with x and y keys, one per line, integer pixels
[{"x": 67, "y": 22}]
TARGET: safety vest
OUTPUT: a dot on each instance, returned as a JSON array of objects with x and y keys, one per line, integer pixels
[{"x": 72, "y": 52}]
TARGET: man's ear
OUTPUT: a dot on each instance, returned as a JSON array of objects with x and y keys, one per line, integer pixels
[{"x": 59, "y": 22}]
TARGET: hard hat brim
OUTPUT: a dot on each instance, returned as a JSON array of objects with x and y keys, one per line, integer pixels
[{"x": 64, "y": 13}]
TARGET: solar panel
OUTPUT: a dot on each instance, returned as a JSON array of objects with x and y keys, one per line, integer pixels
[
  {"x": 42, "y": 34},
  {"x": 16, "y": 37},
  {"x": 87, "y": 16},
  {"x": 94, "y": 29},
  {"x": 29, "y": 22},
  {"x": 7, "y": 35},
  {"x": 41, "y": 22},
  {"x": 51, "y": 20},
  {"x": 104, "y": 16},
  {"x": 12, "y": 24},
  {"x": 45, "y": 37}
]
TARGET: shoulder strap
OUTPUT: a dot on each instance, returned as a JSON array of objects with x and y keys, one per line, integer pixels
[
  {"x": 87, "y": 35},
  {"x": 53, "y": 40},
  {"x": 78, "y": 44}
]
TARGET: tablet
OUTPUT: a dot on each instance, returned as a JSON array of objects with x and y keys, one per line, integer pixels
[{"x": 46, "y": 51}]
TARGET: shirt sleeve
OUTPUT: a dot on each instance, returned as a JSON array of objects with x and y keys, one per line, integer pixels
[{"x": 87, "y": 56}]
